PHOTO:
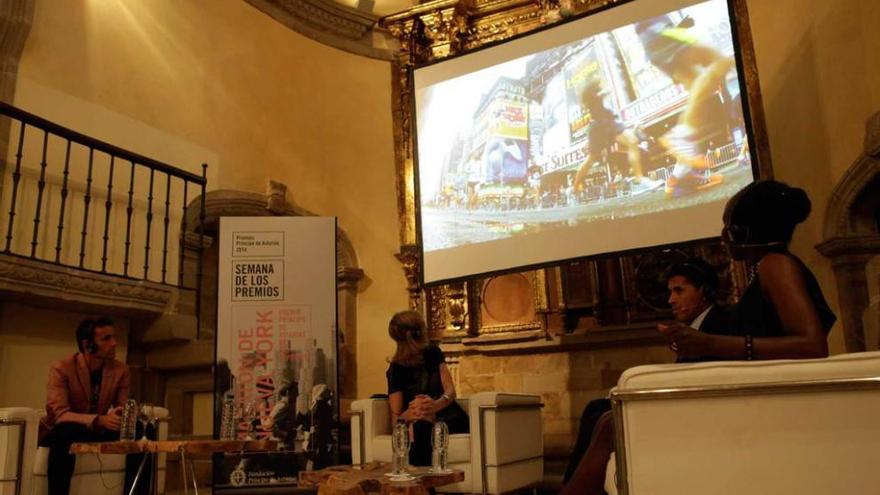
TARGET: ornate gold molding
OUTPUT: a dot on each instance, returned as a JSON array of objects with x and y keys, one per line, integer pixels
[{"x": 409, "y": 258}]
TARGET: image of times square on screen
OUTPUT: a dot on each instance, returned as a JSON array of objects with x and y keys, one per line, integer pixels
[{"x": 617, "y": 131}]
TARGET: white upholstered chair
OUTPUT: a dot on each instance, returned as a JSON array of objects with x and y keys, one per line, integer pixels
[
  {"x": 805, "y": 427},
  {"x": 25, "y": 464},
  {"x": 18, "y": 445},
  {"x": 99, "y": 474},
  {"x": 504, "y": 450}
]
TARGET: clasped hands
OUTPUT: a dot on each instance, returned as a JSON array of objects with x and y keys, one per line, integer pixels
[
  {"x": 686, "y": 341},
  {"x": 422, "y": 408}
]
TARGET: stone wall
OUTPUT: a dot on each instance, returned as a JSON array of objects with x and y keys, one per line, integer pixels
[{"x": 566, "y": 376}]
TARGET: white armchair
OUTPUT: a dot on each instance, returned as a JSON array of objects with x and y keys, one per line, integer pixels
[
  {"x": 18, "y": 444},
  {"x": 23, "y": 465},
  {"x": 99, "y": 474},
  {"x": 504, "y": 450},
  {"x": 789, "y": 426}
]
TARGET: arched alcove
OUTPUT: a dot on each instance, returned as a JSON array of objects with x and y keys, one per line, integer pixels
[
  {"x": 228, "y": 203},
  {"x": 852, "y": 234}
]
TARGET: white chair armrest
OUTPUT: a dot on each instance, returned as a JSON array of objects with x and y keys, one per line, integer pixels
[
  {"x": 18, "y": 444},
  {"x": 738, "y": 373},
  {"x": 369, "y": 419},
  {"x": 735, "y": 426},
  {"x": 506, "y": 429}
]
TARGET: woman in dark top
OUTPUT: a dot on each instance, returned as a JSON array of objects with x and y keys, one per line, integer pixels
[
  {"x": 420, "y": 388},
  {"x": 781, "y": 315}
]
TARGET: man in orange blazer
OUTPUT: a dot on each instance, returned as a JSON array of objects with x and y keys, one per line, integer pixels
[{"x": 84, "y": 399}]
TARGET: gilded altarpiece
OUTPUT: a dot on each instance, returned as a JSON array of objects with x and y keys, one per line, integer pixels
[{"x": 573, "y": 297}]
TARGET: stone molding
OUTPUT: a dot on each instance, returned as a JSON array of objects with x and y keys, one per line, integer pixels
[
  {"x": 233, "y": 203},
  {"x": 838, "y": 215},
  {"x": 28, "y": 279},
  {"x": 854, "y": 245},
  {"x": 330, "y": 23}
]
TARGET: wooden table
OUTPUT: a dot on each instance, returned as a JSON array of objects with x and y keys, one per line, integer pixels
[
  {"x": 371, "y": 478},
  {"x": 183, "y": 447}
]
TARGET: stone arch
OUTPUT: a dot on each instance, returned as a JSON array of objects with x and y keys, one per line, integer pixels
[
  {"x": 226, "y": 202},
  {"x": 852, "y": 234}
]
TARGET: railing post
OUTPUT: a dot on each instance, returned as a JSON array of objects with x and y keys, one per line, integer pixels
[
  {"x": 63, "y": 203},
  {"x": 40, "y": 186},
  {"x": 180, "y": 281},
  {"x": 86, "y": 201},
  {"x": 16, "y": 176},
  {"x": 108, "y": 205},
  {"x": 165, "y": 236},
  {"x": 149, "y": 227},
  {"x": 201, "y": 253},
  {"x": 128, "y": 212}
]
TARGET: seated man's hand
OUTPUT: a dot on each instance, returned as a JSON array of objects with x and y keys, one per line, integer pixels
[{"x": 110, "y": 421}]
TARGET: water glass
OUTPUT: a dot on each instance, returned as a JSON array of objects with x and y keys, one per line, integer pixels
[
  {"x": 248, "y": 414},
  {"x": 127, "y": 428},
  {"x": 227, "y": 418},
  {"x": 146, "y": 416},
  {"x": 400, "y": 448},
  {"x": 439, "y": 447}
]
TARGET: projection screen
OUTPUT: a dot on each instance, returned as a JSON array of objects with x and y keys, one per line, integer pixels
[{"x": 617, "y": 131}]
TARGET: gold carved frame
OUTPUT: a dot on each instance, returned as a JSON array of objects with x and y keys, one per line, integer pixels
[{"x": 439, "y": 29}]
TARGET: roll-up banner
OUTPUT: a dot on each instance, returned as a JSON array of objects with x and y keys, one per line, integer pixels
[{"x": 276, "y": 356}]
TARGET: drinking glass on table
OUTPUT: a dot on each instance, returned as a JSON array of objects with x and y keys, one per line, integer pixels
[
  {"x": 248, "y": 414},
  {"x": 400, "y": 445},
  {"x": 439, "y": 447},
  {"x": 146, "y": 416}
]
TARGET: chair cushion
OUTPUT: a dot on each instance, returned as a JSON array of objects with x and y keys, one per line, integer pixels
[
  {"x": 85, "y": 464},
  {"x": 459, "y": 448}
]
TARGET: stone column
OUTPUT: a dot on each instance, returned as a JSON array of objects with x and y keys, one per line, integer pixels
[
  {"x": 347, "y": 280},
  {"x": 849, "y": 258},
  {"x": 16, "y": 18},
  {"x": 871, "y": 315}
]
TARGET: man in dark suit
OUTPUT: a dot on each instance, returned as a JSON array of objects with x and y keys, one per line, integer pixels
[{"x": 693, "y": 291}]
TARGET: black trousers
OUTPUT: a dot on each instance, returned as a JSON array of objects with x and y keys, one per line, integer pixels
[
  {"x": 62, "y": 463},
  {"x": 594, "y": 410}
]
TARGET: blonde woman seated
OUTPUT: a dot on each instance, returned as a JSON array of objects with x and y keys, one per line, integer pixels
[{"x": 420, "y": 388}]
